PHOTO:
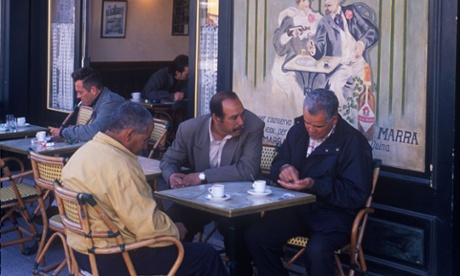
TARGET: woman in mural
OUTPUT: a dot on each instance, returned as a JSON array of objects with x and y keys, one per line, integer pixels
[{"x": 296, "y": 27}]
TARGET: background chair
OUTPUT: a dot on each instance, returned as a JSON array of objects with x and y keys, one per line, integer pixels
[
  {"x": 269, "y": 151},
  {"x": 354, "y": 248},
  {"x": 73, "y": 208},
  {"x": 84, "y": 115},
  {"x": 46, "y": 169},
  {"x": 13, "y": 201},
  {"x": 158, "y": 138}
]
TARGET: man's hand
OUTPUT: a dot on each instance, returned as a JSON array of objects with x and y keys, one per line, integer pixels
[
  {"x": 55, "y": 131},
  {"x": 178, "y": 96},
  {"x": 289, "y": 174},
  {"x": 176, "y": 180},
  {"x": 192, "y": 179},
  {"x": 182, "y": 230},
  {"x": 298, "y": 185},
  {"x": 289, "y": 179}
]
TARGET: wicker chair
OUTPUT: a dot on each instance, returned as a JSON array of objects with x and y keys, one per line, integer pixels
[
  {"x": 73, "y": 208},
  {"x": 158, "y": 138},
  {"x": 269, "y": 152},
  {"x": 354, "y": 248},
  {"x": 46, "y": 169},
  {"x": 13, "y": 201},
  {"x": 84, "y": 115}
]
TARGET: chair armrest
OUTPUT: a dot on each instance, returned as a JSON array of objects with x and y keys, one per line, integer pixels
[{"x": 357, "y": 232}]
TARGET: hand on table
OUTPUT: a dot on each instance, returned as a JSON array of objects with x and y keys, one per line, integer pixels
[
  {"x": 176, "y": 180},
  {"x": 289, "y": 179},
  {"x": 55, "y": 131}
]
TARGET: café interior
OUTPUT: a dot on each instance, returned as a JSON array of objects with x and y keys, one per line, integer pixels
[{"x": 415, "y": 224}]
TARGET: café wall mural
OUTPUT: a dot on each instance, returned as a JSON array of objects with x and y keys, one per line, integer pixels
[{"x": 369, "y": 56}]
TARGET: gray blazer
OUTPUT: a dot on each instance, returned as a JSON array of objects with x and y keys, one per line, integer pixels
[
  {"x": 240, "y": 156},
  {"x": 106, "y": 103}
]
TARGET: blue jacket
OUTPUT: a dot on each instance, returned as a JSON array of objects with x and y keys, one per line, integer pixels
[
  {"x": 103, "y": 108},
  {"x": 341, "y": 168}
]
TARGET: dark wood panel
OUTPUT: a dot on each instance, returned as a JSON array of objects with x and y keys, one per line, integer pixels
[{"x": 127, "y": 77}]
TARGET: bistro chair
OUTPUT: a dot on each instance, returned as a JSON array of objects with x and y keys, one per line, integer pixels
[
  {"x": 83, "y": 113},
  {"x": 354, "y": 248},
  {"x": 158, "y": 138},
  {"x": 269, "y": 152},
  {"x": 13, "y": 203},
  {"x": 74, "y": 210},
  {"x": 46, "y": 169}
]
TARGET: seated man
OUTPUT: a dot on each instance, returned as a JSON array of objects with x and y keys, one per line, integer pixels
[
  {"x": 325, "y": 156},
  {"x": 169, "y": 83},
  {"x": 91, "y": 91},
  {"x": 107, "y": 168},
  {"x": 223, "y": 146}
]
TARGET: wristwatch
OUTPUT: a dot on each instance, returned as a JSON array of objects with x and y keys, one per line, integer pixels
[{"x": 202, "y": 177}]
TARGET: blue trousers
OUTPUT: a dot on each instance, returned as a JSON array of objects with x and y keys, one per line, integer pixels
[
  {"x": 266, "y": 237},
  {"x": 199, "y": 259}
]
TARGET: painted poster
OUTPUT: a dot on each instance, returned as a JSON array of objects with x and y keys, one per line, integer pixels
[{"x": 366, "y": 52}]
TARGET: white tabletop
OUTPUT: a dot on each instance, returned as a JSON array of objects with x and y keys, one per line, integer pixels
[
  {"x": 22, "y": 146},
  {"x": 308, "y": 64},
  {"x": 240, "y": 201}
]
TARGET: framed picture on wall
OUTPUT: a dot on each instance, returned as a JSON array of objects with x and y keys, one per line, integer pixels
[
  {"x": 180, "y": 17},
  {"x": 113, "y": 23}
]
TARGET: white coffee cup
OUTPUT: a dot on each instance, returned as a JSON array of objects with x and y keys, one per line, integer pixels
[
  {"x": 41, "y": 136},
  {"x": 136, "y": 96},
  {"x": 259, "y": 186},
  {"x": 217, "y": 190},
  {"x": 21, "y": 121}
]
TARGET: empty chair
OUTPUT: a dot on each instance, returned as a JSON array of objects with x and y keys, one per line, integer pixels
[
  {"x": 158, "y": 138},
  {"x": 73, "y": 208},
  {"x": 46, "y": 169},
  {"x": 13, "y": 202},
  {"x": 354, "y": 248}
]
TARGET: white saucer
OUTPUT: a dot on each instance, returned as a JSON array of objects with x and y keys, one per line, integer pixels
[
  {"x": 218, "y": 199},
  {"x": 265, "y": 193},
  {"x": 24, "y": 125}
]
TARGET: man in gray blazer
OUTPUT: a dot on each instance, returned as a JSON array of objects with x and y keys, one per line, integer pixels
[{"x": 224, "y": 146}]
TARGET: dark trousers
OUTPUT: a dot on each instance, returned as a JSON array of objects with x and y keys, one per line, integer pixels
[
  {"x": 266, "y": 237},
  {"x": 195, "y": 220},
  {"x": 199, "y": 259}
]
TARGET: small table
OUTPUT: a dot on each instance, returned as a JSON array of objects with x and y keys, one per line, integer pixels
[
  {"x": 152, "y": 171},
  {"x": 23, "y": 145},
  {"x": 21, "y": 132},
  {"x": 241, "y": 203},
  {"x": 308, "y": 64}
]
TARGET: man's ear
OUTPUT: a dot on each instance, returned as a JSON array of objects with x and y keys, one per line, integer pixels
[
  {"x": 126, "y": 135},
  {"x": 215, "y": 118}
]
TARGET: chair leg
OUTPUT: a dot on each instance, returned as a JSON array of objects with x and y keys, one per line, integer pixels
[
  {"x": 57, "y": 267},
  {"x": 294, "y": 258},
  {"x": 338, "y": 265}
]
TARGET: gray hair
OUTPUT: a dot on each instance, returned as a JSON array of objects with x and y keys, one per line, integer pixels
[
  {"x": 130, "y": 115},
  {"x": 321, "y": 100}
]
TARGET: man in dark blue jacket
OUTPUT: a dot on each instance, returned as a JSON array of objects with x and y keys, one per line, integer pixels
[{"x": 325, "y": 156}]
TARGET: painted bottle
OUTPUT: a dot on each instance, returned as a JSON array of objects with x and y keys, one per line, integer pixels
[{"x": 366, "y": 106}]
